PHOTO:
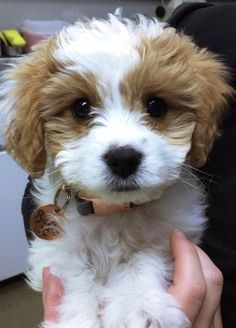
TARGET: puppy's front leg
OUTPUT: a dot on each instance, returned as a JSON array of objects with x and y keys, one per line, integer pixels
[
  {"x": 136, "y": 297},
  {"x": 79, "y": 306}
]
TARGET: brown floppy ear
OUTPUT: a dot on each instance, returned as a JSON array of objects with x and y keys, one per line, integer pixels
[
  {"x": 214, "y": 90},
  {"x": 21, "y": 91}
]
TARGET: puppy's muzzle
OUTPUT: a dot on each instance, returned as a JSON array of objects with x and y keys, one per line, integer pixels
[{"x": 123, "y": 161}]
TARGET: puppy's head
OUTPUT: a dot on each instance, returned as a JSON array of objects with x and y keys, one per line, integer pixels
[{"x": 117, "y": 107}]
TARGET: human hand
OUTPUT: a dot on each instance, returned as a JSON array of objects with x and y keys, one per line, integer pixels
[
  {"x": 197, "y": 283},
  {"x": 52, "y": 294}
]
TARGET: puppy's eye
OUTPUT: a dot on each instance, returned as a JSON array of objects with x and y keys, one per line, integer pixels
[
  {"x": 156, "y": 107},
  {"x": 81, "y": 108}
]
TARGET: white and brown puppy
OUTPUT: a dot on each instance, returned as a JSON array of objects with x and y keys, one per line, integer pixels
[{"x": 120, "y": 111}]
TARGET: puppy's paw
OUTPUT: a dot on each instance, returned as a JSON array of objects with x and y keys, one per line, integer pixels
[
  {"x": 147, "y": 311},
  {"x": 162, "y": 311}
]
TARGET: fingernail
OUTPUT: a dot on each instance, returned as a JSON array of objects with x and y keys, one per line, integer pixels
[{"x": 180, "y": 234}]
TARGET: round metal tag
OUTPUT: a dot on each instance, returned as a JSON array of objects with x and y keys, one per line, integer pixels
[{"x": 44, "y": 222}]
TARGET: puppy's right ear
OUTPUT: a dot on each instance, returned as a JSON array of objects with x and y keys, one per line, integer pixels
[{"x": 20, "y": 103}]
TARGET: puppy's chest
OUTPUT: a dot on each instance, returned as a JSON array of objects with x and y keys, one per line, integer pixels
[{"x": 106, "y": 242}]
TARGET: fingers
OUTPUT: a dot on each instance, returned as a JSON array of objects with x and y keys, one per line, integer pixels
[
  {"x": 197, "y": 283},
  {"x": 188, "y": 285},
  {"x": 52, "y": 295},
  {"x": 214, "y": 283},
  {"x": 217, "y": 319}
]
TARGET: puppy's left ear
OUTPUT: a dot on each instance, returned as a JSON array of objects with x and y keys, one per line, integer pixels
[{"x": 213, "y": 93}]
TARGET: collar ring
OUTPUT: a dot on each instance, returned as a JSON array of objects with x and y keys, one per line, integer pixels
[{"x": 67, "y": 191}]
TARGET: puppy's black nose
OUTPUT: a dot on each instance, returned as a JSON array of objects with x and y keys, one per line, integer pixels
[{"x": 123, "y": 161}]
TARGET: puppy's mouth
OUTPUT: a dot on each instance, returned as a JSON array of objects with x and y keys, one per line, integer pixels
[
  {"x": 125, "y": 189},
  {"x": 123, "y": 186}
]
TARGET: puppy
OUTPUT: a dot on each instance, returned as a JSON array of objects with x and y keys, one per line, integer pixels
[{"x": 110, "y": 117}]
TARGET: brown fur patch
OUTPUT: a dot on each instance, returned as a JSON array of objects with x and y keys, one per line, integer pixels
[
  {"x": 25, "y": 135},
  {"x": 44, "y": 93},
  {"x": 58, "y": 95},
  {"x": 192, "y": 83}
]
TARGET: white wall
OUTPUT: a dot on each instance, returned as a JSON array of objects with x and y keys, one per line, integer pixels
[
  {"x": 12, "y": 12},
  {"x": 13, "y": 244}
]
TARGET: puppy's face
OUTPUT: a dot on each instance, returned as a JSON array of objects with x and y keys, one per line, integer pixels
[{"x": 118, "y": 108}]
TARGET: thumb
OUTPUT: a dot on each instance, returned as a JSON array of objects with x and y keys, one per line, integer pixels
[{"x": 52, "y": 294}]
